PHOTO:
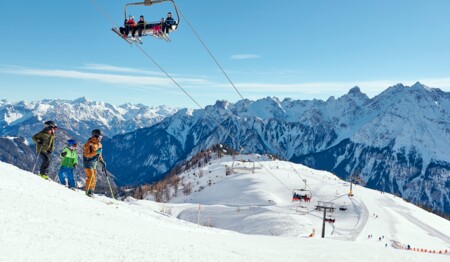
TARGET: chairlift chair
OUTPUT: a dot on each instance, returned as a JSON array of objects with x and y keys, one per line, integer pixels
[
  {"x": 149, "y": 29},
  {"x": 301, "y": 195},
  {"x": 302, "y": 210},
  {"x": 330, "y": 219}
]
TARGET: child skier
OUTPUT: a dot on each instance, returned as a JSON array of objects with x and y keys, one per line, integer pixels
[
  {"x": 69, "y": 163},
  {"x": 45, "y": 144}
]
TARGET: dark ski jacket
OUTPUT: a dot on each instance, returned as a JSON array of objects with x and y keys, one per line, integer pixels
[
  {"x": 170, "y": 21},
  {"x": 45, "y": 142},
  {"x": 141, "y": 23}
]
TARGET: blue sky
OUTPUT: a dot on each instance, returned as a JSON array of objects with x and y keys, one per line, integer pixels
[{"x": 296, "y": 48}]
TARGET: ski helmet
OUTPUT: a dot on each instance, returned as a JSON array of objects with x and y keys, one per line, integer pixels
[
  {"x": 71, "y": 142},
  {"x": 97, "y": 132},
  {"x": 50, "y": 124}
]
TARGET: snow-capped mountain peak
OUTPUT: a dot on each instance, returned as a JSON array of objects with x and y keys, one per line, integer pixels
[
  {"x": 78, "y": 117},
  {"x": 81, "y": 100}
]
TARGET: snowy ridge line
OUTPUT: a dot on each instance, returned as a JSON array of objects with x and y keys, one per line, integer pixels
[{"x": 78, "y": 116}]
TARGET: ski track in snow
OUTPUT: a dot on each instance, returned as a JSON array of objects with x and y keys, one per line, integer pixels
[{"x": 405, "y": 213}]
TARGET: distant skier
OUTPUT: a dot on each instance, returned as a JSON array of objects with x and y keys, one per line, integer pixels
[
  {"x": 92, "y": 154},
  {"x": 69, "y": 163},
  {"x": 45, "y": 144}
]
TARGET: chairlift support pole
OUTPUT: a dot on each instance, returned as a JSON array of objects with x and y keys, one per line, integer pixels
[
  {"x": 323, "y": 222},
  {"x": 354, "y": 178},
  {"x": 325, "y": 208}
]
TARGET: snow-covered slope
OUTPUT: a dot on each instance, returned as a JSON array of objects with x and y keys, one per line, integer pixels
[
  {"x": 257, "y": 199},
  {"x": 43, "y": 221},
  {"x": 78, "y": 117}
]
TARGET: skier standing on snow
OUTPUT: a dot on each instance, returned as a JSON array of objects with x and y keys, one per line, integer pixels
[
  {"x": 69, "y": 163},
  {"x": 45, "y": 144},
  {"x": 92, "y": 154}
]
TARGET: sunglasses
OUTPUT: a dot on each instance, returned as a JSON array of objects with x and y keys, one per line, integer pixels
[{"x": 97, "y": 136}]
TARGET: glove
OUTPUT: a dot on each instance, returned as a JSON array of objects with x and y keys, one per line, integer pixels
[
  {"x": 63, "y": 154},
  {"x": 99, "y": 151},
  {"x": 75, "y": 166}
]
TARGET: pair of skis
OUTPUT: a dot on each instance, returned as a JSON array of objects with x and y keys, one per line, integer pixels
[
  {"x": 137, "y": 40},
  {"x": 128, "y": 40},
  {"x": 163, "y": 36}
]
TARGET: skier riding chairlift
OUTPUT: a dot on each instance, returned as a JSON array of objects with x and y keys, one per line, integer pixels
[
  {"x": 301, "y": 195},
  {"x": 149, "y": 29}
]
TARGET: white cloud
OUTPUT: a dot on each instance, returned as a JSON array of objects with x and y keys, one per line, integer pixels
[
  {"x": 125, "y": 78},
  {"x": 244, "y": 56},
  {"x": 326, "y": 89},
  {"x": 110, "y": 68},
  {"x": 116, "y": 79}
]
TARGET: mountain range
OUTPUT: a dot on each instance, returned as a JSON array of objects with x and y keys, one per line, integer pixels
[
  {"x": 398, "y": 141},
  {"x": 77, "y": 117}
]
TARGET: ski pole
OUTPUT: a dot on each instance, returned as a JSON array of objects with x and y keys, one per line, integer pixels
[
  {"x": 56, "y": 176},
  {"x": 37, "y": 159},
  {"x": 109, "y": 183}
]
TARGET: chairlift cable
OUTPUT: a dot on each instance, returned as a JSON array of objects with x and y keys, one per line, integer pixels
[
  {"x": 337, "y": 198},
  {"x": 210, "y": 53},
  {"x": 187, "y": 93},
  {"x": 100, "y": 9}
]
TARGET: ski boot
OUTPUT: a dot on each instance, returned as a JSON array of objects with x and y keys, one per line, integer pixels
[
  {"x": 89, "y": 193},
  {"x": 44, "y": 176}
]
